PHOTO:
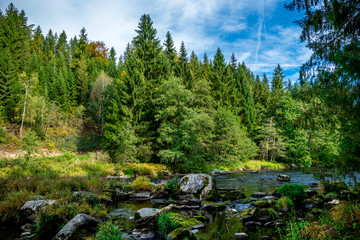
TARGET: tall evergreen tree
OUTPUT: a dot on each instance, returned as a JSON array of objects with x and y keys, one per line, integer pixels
[{"x": 148, "y": 49}]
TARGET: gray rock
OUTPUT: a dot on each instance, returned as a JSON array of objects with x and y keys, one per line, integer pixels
[
  {"x": 31, "y": 207},
  {"x": 27, "y": 227},
  {"x": 200, "y": 185},
  {"x": 200, "y": 226},
  {"x": 259, "y": 195},
  {"x": 334, "y": 202},
  {"x": 309, "y": 206},
  {"x": 252, "y": 224},
  {"x": 217, "y": 172},
  {"x": 37, "y": 204},
  {"x": 241, "y": 235},
  {"x": 144, "y": 212},
  {"x": 91, "y": 197},
  {"x": 79, "y": 221},
  {"x": 311, "y": 192},
  {"x": 270, "y": 198},
  {"x": 283, "y": 178},
  {"x": 140, "y": 195},
  {"x": 25, "y": 235},
  {"x": 213, "y": 206},
  {"x": 140, "y": 234}
]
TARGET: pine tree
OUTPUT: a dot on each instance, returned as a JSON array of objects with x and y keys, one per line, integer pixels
[
  {"x": 148, "y": 49},
  {"x": 170, "y": 50},
  {"x": 14, "y": 58},
  {"x": 218, "y": 80},
  {"x": 111, "y": 69},
  {"x": 277, "y": 83},
  {"x": 247, "y": 96},
  {"x": 183, "y": 70}
]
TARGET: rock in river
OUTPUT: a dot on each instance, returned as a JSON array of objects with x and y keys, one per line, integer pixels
[
  {"x": 283, "y": 178},
  {"x": 198, "y": 185},
  {"x": 79, "y": 221}
]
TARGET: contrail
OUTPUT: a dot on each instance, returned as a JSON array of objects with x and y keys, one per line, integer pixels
[
  {"x": 263, "y": 5},
  {"x": 261, "y": 21}
]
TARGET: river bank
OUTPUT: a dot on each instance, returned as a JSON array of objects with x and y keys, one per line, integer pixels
[{"x": 91, "y": 185}]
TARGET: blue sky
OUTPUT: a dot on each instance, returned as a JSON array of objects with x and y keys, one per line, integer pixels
[{"x": 259, "y": 32}]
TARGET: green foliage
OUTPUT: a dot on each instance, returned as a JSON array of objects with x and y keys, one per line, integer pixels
[
  {"x": 214, "y": 112},
  {"x": 172, "y": 187},
  {"x": 2, "y": 135},
  {"x": 166, "y": 224},
  {"x": 230, "y": 143},
  {"x": 142, "y": 184},
  {"x": 294, "y": 191},
  {"x": 29, "y": 143},
  {"x": 108, "y": 231},
  {"x": 284, "y": 202}
]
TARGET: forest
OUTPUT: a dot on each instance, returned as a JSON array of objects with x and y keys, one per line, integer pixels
[
  {"x": 153, "y": 110},
  {"x": 154, "y": 104}
]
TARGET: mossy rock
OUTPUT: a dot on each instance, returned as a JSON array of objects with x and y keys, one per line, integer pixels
[
  {"x": 318, "y": 202},
  {"x": 232, "y": 196},
  {"x": 349, "y": 195},
  {"x": 316, "y": 211},
  {"x": 260, "y": 215},
  {"x": 335, "y": 186},
  {"x": 262, "y": 204},
  {"x": 181, "y": 234},
  {"x": 330, "y": 196},
  {"x": 183, "y": 221},
  {"x": 213, "y": 206}
]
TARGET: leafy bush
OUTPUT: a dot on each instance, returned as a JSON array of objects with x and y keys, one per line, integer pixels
[
  {"x": 108, "y": 231},
  {"x": 294, "y": 191},
  {"x": 166, "y": 224},
  {"x": 142, "y": 183},
  {"x": 172, "y": 186}
]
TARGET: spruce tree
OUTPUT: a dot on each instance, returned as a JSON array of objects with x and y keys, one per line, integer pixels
[{"x": 148, "y": 49}]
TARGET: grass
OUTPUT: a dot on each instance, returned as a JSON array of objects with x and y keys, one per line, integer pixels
[
  {"x": 341, "y": 222},
  {"x": 251, "y": 165},
  {"x": 59, "y": 177}
]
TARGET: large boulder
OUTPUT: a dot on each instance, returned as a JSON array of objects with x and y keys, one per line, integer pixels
[
  {"x": 200, "y": 186},
  {"x": 78, "y": 222}
]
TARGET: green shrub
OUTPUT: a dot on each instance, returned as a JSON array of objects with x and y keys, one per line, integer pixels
[
  {"x": 108, "y": 231},
  {"x": 166, "y": 224},
  {"x": 172, "y": 186},
  {"x": 294, "y": 191},
  {"x": 142, "y": 183}
]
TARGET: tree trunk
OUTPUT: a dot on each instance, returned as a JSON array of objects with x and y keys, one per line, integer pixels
[{"x": 23, "y": 117}]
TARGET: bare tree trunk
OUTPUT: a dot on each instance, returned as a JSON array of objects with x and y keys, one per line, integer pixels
[{"x": 23, "y": 117}]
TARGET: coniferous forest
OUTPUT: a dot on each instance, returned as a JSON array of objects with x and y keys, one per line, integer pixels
[{"x": 153, "y": 104}]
